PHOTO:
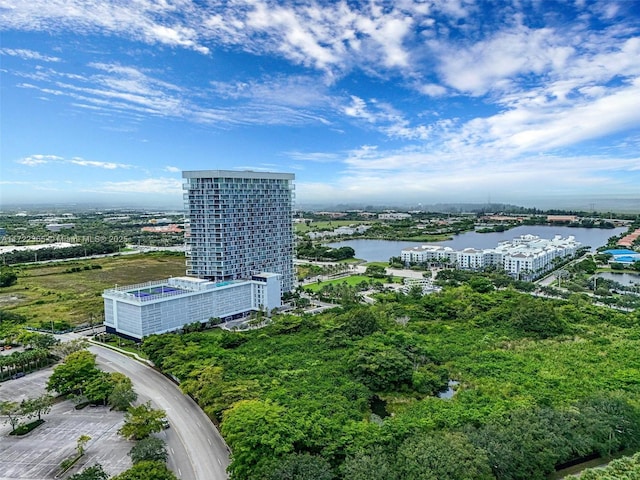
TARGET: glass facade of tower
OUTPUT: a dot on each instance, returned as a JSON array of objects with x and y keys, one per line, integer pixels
[{"x": 239, "y": 224}]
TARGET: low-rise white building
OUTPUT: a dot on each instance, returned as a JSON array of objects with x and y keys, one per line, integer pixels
[
  {"x": 56, "y": 227},
  {"x": 393, "y": 216},
  {"x": 426, "y": 284},
  {"x": 523, "y": 257},
  {"x": 163, "y": 306},
  {"x": 338, "y": 232}
]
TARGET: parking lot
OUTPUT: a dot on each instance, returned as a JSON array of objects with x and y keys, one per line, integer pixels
[{"x": 37, "y": 455}]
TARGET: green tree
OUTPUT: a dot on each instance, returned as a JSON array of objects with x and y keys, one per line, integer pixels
[
  {"x": 301, "y": 466},
  {"x": 81, "y": 443},
  {"x": 481, "y": 284},
  {"x": 625, "y": 468},
  {"x": 375, "y": 271},
  {"x": 37, "y": 340},
  {"x": 14, "y": 413},
  {"x": 72, "y": 376},
  {"x": 147, "y": 470},
  {"x": 37, "y": 406},
  {"x": 610, "y": 421},
  {"x": 102, "y": 387},
  {"x": 149, "y": 449},
  {"x": 588, "y": 265},
  {"x": 95, "y": 472},
  {"x": 441, "y": 456},
  {"x": 359, "y": 322},
  {"x": 8, "y": 277},
  {"x": 376, "y": 463},
  {"x": 99, "y": 388},
  {"x": 257, "y": 431},
  {"x": 123, "y": 394},
  {"x": 64, "y": 349},
  {"x": 380, "y": 367},
  {"x": 141, "y": 421},
  {"x": 537, "y": 316},
  {"x": 527, "y": 444}
]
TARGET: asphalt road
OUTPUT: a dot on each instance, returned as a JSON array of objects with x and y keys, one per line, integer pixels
[{"x": 196, "y": 449}]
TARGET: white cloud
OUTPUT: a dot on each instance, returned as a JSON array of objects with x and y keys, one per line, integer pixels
[
  {"x": 331, "y": 37},
  {"x": 493, "y": 64},
  {"x": 171, "y": 169},
  {"x": 432, "y": 89},
  {"x": 93, "y": 163},
  {"x": 318, "y": 157},
  {"x": 386, "y": 119},
  {"x": 168, "y": 186},
  {"x": 27, "y": 54},
  {"x": 35, "y": 160},
  {"x": 386, "y": 176},
  {"x": 144, "y": 20}
]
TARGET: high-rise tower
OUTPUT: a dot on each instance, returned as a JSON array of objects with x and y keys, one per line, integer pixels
[{"x": 239, "y": 224}]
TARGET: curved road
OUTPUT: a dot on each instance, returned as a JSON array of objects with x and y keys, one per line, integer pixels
[{"x": 196, "y": 449}]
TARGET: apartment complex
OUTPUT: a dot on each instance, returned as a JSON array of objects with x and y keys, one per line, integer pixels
[
  {"x": 239, "y": 224},
  {"x": 239, "y": 247},
  {"x": 523, "y": 257}
]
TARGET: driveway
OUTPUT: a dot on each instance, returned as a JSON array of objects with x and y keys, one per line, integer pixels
[{"x": 196, "y": 449}]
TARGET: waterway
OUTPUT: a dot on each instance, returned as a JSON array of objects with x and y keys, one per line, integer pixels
[
  {"x": 626, "y": 279},
  {"x": 382, "y": 250}
]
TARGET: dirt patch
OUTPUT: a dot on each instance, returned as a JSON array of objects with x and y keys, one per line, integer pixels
[{"x": 9, "y": 299}]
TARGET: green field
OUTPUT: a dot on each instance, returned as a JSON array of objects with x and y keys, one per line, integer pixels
[
  {"x": 327, "y": 225},
  {"x": 351, "y": 281},
  {"x": 52, "y": 292}
]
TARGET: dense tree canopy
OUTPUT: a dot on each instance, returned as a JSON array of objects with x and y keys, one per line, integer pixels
[
  {"x": 259, "y": 431},
  {"x": 441, "y": 456},
  {"x": 301, "y": 466},
  {"x": 147, "y": 470},
  {"x": 627, "y": 468},
  {"x": 95, "y": 472},
  {"x": 539, "y": 382}
]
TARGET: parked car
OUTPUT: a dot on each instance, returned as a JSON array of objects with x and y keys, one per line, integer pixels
[
  {"x": 165, "y": 423},
  {"x": 17, "y": 375}
]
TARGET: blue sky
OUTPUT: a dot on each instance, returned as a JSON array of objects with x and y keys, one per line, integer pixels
[{"x": 528, "y": 102}]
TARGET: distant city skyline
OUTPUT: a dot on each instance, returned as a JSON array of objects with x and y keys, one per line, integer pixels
[{"x": 531, "y": 103}]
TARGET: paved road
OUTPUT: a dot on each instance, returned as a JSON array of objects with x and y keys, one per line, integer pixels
[{"x": 196, "y": 449}]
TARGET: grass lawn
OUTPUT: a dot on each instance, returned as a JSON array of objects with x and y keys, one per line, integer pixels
[
  {"x": 327, "y": 225},
  {"x": 378, "y": 264},
  {"x": 47, "y": 292},
  {"x": 352, "y": 280},
  {"x": 426, "y": 238}
]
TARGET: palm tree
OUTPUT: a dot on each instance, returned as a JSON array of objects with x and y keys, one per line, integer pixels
[{"x": 4, "y": 362}]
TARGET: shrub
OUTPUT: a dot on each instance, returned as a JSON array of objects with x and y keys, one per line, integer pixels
[{"x": 27, "y": 427}]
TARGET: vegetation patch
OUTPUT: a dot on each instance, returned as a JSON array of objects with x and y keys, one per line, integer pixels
[
  {"x": 27, "y": 427},
  {"x": 541, "y": 382},
  {"x": 70, "y": 292},
  {"x": 351, "y": 280}
]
